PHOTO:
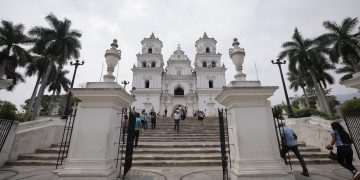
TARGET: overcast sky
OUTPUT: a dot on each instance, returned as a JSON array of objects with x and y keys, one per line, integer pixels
[{"x": 260, "y": 25}]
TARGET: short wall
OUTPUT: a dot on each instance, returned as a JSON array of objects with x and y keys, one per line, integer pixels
[
  {"x": 37, "y": 134},
  {"x": 6, "y": 150},
  {"x": 314, "y": 131}
]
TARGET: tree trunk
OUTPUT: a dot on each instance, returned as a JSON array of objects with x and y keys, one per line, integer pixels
[
  {"x": 306, "y": 97},
  {"x": 41, "y": 91},
  {"x": 3, "y": 64},
  {"x": 317, "y": 91},
  {"x": 31, "y": 103},
  {"x": 51, "y": 103},
  {"x": 2, "y": 69},
  {"x": 353, "y": 63},
  {"x": 326, "y": 103}
]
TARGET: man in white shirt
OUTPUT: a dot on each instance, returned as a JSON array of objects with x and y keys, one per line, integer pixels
[{"x": 177, "y": 121}]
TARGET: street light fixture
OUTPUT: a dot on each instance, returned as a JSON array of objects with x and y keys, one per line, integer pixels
[
  {"x": 279, "y": 63},
  {"x": 125, "y": 83},
  {"x": 67, "y": 109}
]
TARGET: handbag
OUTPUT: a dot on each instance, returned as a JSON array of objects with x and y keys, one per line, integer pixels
[{"x": 332, "y": 156}]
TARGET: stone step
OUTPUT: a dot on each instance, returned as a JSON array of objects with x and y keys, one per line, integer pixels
[
  {"x": 174, "y": 134},
  {"x": 50, "y": 150},
  {"x": 39, "y": 156},
  {"x": 310, "y": 155},
  {"x": 31, "y": 163},
  {"x": 151, "y": 163},
  {"x": 176, "y": 150},
  {"x": 313, "y": 161},
  {"x": 155, "y": 157}
]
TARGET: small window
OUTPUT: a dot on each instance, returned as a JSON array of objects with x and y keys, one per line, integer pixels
[
  {"x": 144, "y": 64},
  {"x": 179, "y": 72},
  {"x": 179, "y": 91},
  {"x": 207, "y": 50},
  {"x": 153, "y": 64},
  {"x": 211, "y": 84},
  {"x": 204, "y": 64},
  {"x": 213, "y": 64},
  {"x": 150, "y": 50},
  {"x": 147, "y": 84}
]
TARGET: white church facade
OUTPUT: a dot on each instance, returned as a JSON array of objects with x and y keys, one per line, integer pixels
[{"x": 178, "y": 83}]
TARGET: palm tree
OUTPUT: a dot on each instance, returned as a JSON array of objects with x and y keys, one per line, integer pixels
[
  {"x": 12, "y": 54},
  {"x": 297, "y": 80},
  {"x": 306, "y": 55},
  {"x": 36, "y": 67},
  {"x": 345, "y": 43},
  {"x": 59, "y": 43},
  {"x": 60, "y": 82}
]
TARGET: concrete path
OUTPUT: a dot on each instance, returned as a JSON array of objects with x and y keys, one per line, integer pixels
[{"x": 317, "y": 172}]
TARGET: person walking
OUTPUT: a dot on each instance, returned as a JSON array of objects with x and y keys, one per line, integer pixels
[
  {"x": 177, "y": 121},
  {"x": 290, "y": 143},
  {"x": 125, "y": 125},
  {"x": 341, "y": 139},
  {"x": 138, "y": 120},
  {"x": 165, "y": 112},
  {"x": 153, "y": 119}
]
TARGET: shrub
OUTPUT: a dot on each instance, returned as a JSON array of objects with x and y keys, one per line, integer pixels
[
  {"x": 307, "y": 112},
  {"x": 352, "y": 105},
  {"x": 326, "y": 115},
  {"x": 7, "y": 110},
  {"x": 277, "y": 112}
]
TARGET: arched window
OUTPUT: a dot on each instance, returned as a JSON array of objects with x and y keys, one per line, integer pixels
[
  {"x": 179, "y": 72},
  {"x": 213, "y": 64},
  {"x": 207, "y": 50},
  {"x": 211, "y": 84},
  {"x": 147, "y": 84},
  {"x": 150, "y": 50},
  {"x": 204, "y": 64},
  {"x": 178, "y": 91},
  {"x": 153, "y": 64},
  {"x": 143, "y": 64}
]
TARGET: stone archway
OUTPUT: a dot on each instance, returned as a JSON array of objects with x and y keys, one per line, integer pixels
[{"x": 177, "y": 106}]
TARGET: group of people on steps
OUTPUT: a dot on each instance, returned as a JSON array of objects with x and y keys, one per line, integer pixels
[{"x": 339, "y": 137}]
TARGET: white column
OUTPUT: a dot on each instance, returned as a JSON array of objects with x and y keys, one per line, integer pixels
[
  {"x": 256, "y": 150},
  {"x": 92, "y": 150}
]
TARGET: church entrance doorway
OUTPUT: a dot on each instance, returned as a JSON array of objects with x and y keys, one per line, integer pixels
[{"x": 178, "y": 106}]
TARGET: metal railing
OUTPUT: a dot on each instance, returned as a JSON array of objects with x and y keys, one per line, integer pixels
[
  {"x": 5, "y": 127},
  {"x": 352, "y": 121},
  {"x": 66, "y": 138}
]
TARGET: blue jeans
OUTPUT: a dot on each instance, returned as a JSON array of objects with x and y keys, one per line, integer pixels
[{"x": 177, "y": 125}]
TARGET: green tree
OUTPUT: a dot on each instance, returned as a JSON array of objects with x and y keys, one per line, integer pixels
[
  {"x": 12, "y": 54},
  {"x": 297, "y": 80},
  {"x": 60, "y": 82},
  {"x": 345, "y": 43},
  {"x": 7, "y": 110},
  {"x": 307, "y": 55},
  {"x": 58, "y": 44}
]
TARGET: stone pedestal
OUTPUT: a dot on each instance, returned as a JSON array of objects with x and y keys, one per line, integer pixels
[
  {"x": 354, "y": 82},
  {"x": 255, "y": 152},
  {"x": 92, "y": 150}
]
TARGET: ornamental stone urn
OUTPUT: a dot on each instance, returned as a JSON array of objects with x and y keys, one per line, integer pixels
[
  {"x": 237, "y": 55},
  {"x": 112, "y": 56}
]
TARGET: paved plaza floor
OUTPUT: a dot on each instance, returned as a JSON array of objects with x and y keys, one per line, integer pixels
[{"x": 317, "y": 172}]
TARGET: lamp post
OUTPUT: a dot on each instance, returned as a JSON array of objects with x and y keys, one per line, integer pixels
[
  {"x": 67, "y": 109},
  {"x": 125, "y": 83},
  {"x": 279, "y": 63}
]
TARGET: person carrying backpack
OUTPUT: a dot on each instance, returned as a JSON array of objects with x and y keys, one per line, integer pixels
[{"x": 342, "y": 140}]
